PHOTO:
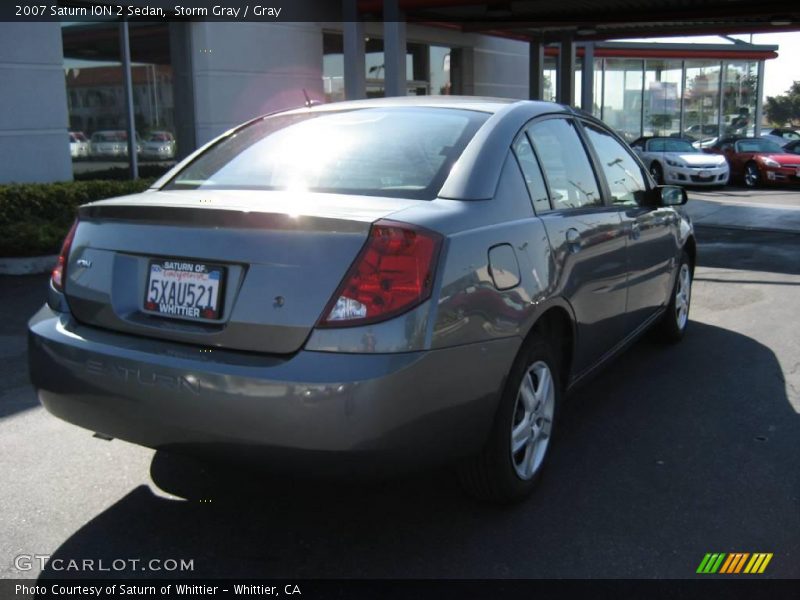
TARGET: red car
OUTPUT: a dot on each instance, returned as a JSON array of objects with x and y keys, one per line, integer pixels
[{"x": 758, "y": 161}]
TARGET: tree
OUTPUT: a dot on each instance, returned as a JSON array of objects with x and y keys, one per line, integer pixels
[{"x": 785, "y": 108}]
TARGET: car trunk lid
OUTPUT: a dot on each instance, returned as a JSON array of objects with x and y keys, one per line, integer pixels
[{"x": 282, "y": 255}]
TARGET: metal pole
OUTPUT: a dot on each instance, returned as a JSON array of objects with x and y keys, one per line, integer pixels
[
  {"x": 683, "y": 93},
  {"x": 128, "y": 82},
  {"x": 535, "y": 70},
  {"x": 603, "y": 92},
  {"x": 394, "y": 49},
  {"x": 722, "y": 67},
  {"x": 355, "y": 84},
  {"x": 759, "y": 98},
  {"x": 587, "y": 78},
  {"x": 641, "y": 101},
  {"x": 566, "y": 70}
]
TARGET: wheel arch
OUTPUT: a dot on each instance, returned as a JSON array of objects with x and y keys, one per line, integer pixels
[
  {"x": 557, "y": 324},
  {"x": 690, "y": 246}
]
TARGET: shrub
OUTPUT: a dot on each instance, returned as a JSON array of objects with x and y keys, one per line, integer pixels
[
  {"x": 35, "y": 217},
  {"x": 123, "y": 173}
]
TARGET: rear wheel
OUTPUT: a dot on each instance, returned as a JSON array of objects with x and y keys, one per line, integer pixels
[
  {"x": 511, "y": 462},
  {"x": 674, "y": 322},
  {"x": 657, "y": 172},
  {"x": 752, "y": 176}
]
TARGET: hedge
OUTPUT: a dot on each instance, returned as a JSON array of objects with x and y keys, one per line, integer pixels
[
  {"x": 123, "y": 173},
  {"x": 35, "y": 217}
]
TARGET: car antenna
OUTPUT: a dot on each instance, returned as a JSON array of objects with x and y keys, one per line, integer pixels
[{"x": 309, "y": 101}]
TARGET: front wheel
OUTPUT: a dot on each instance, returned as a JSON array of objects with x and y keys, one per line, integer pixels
[
  {"x": 511, "y": 463},
  {"x": 674, "y": 322},
  {"x": 752, "y": 177}
]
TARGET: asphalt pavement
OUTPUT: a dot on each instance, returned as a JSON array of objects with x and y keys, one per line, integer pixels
[{"x": 670, "y": 453}]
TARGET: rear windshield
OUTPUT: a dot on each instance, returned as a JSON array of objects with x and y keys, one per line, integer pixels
[{"x": 404, "y": 152}]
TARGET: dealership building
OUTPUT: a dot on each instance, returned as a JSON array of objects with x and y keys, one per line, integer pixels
[{"x": 196, "y": 79}]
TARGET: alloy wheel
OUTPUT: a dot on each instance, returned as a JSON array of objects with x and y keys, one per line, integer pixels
[
  {"x": 751, "y": 176},
  {"x": 532, "y": 420},
  {"x": 683, "y": 296}
]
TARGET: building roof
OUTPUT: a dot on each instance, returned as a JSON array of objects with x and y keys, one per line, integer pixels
[{"x": 600, "y": 19}]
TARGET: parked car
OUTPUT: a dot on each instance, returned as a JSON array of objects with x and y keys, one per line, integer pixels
[
  {"x": 775, "y": 139},
  {"x": 785, "y": 133},
  {"x": 792, "y": 147},
  {"x": 757, "y": 161},
  {"x": 111, "y": 144},
  {"x": 677, "y": 161},
  {"x": 303, "y": 291},
  {"x": 159, "y": 145},
  {"x": 78, "y": 145}
]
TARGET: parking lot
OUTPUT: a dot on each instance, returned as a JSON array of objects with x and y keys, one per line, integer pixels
[{"x": 670, "y": 453}]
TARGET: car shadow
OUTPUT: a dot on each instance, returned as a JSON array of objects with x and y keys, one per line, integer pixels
[
  {"x": 765, "y": 251},
  {"x": 22, "y": 296},
  {"x": 672, "y": 452}
]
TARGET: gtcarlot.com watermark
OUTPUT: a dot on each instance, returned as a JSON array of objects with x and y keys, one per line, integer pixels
[{"x": 28, "y": 562}]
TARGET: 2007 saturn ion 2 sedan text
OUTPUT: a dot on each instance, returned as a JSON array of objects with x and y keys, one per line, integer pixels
[{"x": 391, "y": 283}]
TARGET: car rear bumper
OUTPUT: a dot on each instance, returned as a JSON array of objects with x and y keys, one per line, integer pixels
[{"x": 313, "y": 408}]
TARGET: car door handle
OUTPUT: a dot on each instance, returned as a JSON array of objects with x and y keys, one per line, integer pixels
[
  {"x": 573, "y": 237},
  {"x": 635, "y": 230}
]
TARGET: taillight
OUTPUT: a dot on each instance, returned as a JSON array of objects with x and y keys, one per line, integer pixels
[
  {"x": 60, "y": 271},
  {"x": 393, "y": 273}
]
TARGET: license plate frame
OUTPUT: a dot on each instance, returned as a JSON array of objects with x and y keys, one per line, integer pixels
[{"x": 200, "y": 298}]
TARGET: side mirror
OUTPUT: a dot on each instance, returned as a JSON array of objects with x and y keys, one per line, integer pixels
[{"x": 671, "y": 195}]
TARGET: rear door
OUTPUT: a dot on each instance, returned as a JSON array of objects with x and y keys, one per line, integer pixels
[
  {"x": 586, "y": 236},
  {"x": 650, "y": 231}
]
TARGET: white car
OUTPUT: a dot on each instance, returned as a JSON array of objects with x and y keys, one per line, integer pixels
[
  {"x": 676, "y": 161},
  {"x": 111, "y": 144},
  {"x": 78, "y": 145},
  {"x": 159, "y": 145}
]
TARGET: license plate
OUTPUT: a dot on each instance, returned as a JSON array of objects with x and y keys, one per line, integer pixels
[
  {"x": 184, "y": 289},
  {"x": 704, "y": 173}
]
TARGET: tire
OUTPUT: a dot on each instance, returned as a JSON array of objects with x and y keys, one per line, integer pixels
[
  {"x": 657, "y": 172},
  {"x": 752, "y": 176},
  {"x": 675, "y": 321},
  {"x": 498, "y": 474}
]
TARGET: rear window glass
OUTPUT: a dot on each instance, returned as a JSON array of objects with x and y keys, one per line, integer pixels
[{"x": 404, "y": 152}]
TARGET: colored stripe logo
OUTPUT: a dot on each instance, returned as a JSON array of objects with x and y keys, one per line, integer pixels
[{"x": 734, "y": 563}]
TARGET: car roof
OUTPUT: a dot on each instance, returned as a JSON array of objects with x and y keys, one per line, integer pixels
[{"x": 477, "y": 103}]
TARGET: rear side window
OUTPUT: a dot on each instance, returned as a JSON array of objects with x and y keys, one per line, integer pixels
[
  {"x": 404, "y": 152},
  {"x": 623, "y": 174},
  {"x": 566, "y": 165},
  {"x": 532, "y": 173}
]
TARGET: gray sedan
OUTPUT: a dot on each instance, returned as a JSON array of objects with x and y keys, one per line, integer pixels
[{"x": 376, "y": 285}]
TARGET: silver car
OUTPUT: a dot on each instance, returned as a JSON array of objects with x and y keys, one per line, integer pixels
[
  {"x": 677, "y": 161},
  {"x": 159, "y": 145},
  {"x": 377, "y": 285}
]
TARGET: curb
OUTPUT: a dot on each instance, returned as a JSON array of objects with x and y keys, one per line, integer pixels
[{"x": 29, "y": 265}]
